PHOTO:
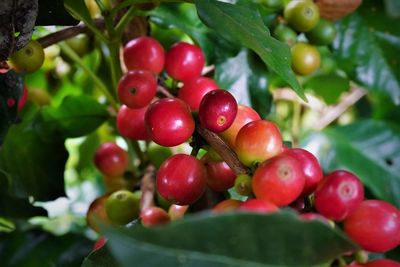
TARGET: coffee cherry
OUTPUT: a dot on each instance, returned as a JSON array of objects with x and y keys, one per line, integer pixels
[
  {"x": 111, "y": 160},
  {"x": 279, "y": 180},
  {"x": 382, "y": 263},
  {"x": 243, "y": 185},
  {"x": 144, "y": 53},
  {"x": 220, "y": 176},
  {"x": 338, "y": 195},
  {"x": 181, "y": 179},
  {"x": 130, "y": 123},
  {"x": 122, "y": 207},
  {"x": 97, "y": 214},
  {"x": 322, "y": 34},
  {"x": 169, "y": 122},
  {"x": 29, "y": 58},
  {"x": 305, "y": 58},
  {"x": 258, "y": 206},
  {"x": 285, "y": 34},
  {"x": 184, "y": 61},
  {"x": 302, "y": 15},
  {"x": 258, "y": 141},
  {"x": 154, "y": 216},
  {"x": 312, "y": 216},
  {"x": 244, "y": 115},
  {"x": 22, "y": 99},
  {"x": 217, "y": 110},
  {"x": 310, "y": 166},
  {"x": 99, "y": 243},
  {"x": 195, "y": 89},
  {"x": 374, "y": 225},
  {"x": 137, "y": 88},
  {"x": 226, "y": 205},
  {"x": 176, "y": 212}
]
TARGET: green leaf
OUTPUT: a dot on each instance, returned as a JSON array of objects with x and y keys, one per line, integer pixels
[
  {"x": 232, "y": 239},
  {"x": 37, "y": 248},
  {"x": 10, "y": 91},
  {"x": 366, "y": 48},
  {"x": 370, "y": 149},
  {"x": 34, "y": 164},
  {"x": 245, "y": 26},
  {"x": 246, "y": 77},
  {"x": 6, "y": 225},
  {"x": 328, "y": 86},
  {"x": 184, "y": 17},
  {"x": 76, "y": 116}
]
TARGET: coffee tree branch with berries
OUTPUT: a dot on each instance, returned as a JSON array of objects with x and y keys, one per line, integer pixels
[{"x": 200, "y": 133}]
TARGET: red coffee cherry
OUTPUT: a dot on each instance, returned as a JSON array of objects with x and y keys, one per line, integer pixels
[
  {"x": 181, "y": 179},
  {"x": 217, "y": 110},
  {"x": 244, "y": 115},
  {"x": 111, "y": 160},
  {"x": 99, "y": 243},
  {"x": 220, "y": 176},
  {"x": 258, "y": 206},
  {"x": 226, "y": 205},
  {"x": 338, "y": 195},
  {"x": 193, "y": 91},
  {"x": 130, "y": 123},
  {"x": 310, "y": 166},
  {"x": 312, "y": 216},
  {"x": 383, "y": 263},
  {"x": 374, "y": 225},
  {"x": 258, "y": 141},
  {"x": 144, "y": 53},
  {"x": 169, "y": 122},
  {"x": 154, "y": 216},
  {"x": 184, "y": 61},
  {"x": 23, "y": 98},
  {"x": 279, "y": 180},
  {"x": 137, "y": 88}
]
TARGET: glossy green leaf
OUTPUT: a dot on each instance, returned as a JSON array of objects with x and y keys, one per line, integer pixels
[
  {"x": 76, "y": 116},
  {"x": 37, "y": 248},
  {"x": 366, "y": 48},
  {"x": 328, "y": 86},
  {"x": 34, "y": 165},
  {"x": 184, "y": 17},
  {"x": 370, "y": 149},
  {"x": 245, "y": 26},
  {"x": 10, "y": 92},
  {"x": 239, "y": 239},
  {"x": 246, "y": 77}
]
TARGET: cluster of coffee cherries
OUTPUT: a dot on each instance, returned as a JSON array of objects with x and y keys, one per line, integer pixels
[
  {"x": 300, "y": 20},
  {"x": 272, "y": 175}
]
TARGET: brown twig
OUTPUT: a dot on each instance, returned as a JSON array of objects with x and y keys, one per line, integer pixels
[
  {"x": 336, "y": 111},
  {"x": 223, "y": 150},
  {"x": 67, "y": 33},
  {"x": 148, "y": 188}
]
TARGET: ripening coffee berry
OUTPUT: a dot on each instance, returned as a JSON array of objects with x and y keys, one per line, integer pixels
[
  {"x": 111, "y": 160},
  {"x": 130, "y": 123},
  {"x": 184, "y": 61},
  {"x": 243, "y": 185},
  {"x": 258, "y": 141},
  {"x": 176, "y": 212},
  {"x": 144, "y": 53},
  {"x": 122, "y": 207},
  {"x": 181, "y": 179},
  {"x": 305, "y": 58},
  {"x": 310, "y": 166},
  {"x": 338, "y": 195},
  {"x": 374, "y": 225},
  {"x": 137, "y": 88},
  {"x": 220, "y": 176},
  {"x": 244, "y": 115},
  {"x": 169, "y": 122},
  {"x": 218, "y": 110},
  {"x": 154, "y": 216},
  {"x": 258, "y": 206},
  {"x": 193, "y": 91},
  {"x": 29, "y": 58},
  {"x": 226, "y": 205},
  {"x": 302, "y": 15},
  {"x": 279, "y": 180}
]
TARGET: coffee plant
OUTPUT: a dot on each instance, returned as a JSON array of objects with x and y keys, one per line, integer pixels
[{"x": 200, "y": 133}]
